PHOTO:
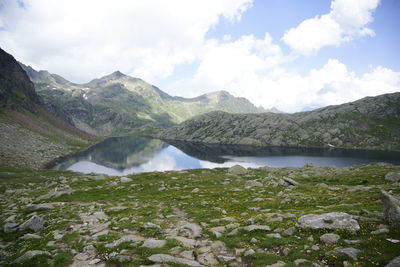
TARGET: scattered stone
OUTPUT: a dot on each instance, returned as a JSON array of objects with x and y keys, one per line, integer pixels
[
  {"x": 208, "y": 259},
  {"x": 380, "y": 231},
  {"x": 315, "y": 247},
  {"x": 94, "y": 262},
  {"x": 333, "y": 220},
  {"x": 249, "y": 252},
  {"x": 393, "y": 176},
  {"x": 329, "y": 238},
  {"x": 252, "y": 183},
  {"x": 60, "y": 190},
  {"x": 189, "y": 230},
  {"x": 154, "y": 243},
  {"x": 125, "y": 180},
  {"x": 290, "y": 181},
  {"x": 301, "y": 262},
  {"x": 128, "y": 238},
  {"x": 350, "y": 252},
  {"x": 223, "y": 258},
  {"x": 35, "y": 223},
  {"x": 10, "y": 227},
  {"x": 394, "y": 263},
  {"x": 187, "y": 254},
  {"x": 30, "y": 254},
  {"x": 196, "y": 190},
  {"x": 391, "y": 207},
  {"x": 38, "y": 207},
  {"x": 277, "y": 264},
  {"x": 237, "y": 170},
  {"x": 164, "y": 258},
  {"x": 290, "y": 231},
  {"x": 350, "y": 242},
  {"x": 101, "y": 233},
  {"x": 30, "y": 236},
  {"x": 274, "y": 235},
  {"x": 256, "y": 227}
]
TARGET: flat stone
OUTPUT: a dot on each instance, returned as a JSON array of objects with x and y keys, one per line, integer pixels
[
  {"x": 393, "y": 176},
  {"x": 350, "y": 252},
  {"x": 301, "y": 262},
  {"x": 125, "y": 180},
  {"x": 290, "y": 231},
  {"x": 333, "y": 220},
  {"x": 329, "y": 238},
  {"x": 30, "y": 254},
  {"x": 208, "y": 259},
  {"x": 30, "y": 236},
  {"x": 38, "y": 207},
  {"x": 128, "y": 238},
  {"x": 394, "y": 263},
  {"x": 277, "y": 264},
  {"x": 10, "y": 227},
  {"x": 187, "y": 254},
  {"x": 274, "y": 235},
  {"x": 255, "y": 227},
  {"x": 223, "y": 258},
  {"x": 252, "y": 183},
  {"x": 35, "y": 223},
  {"x": 164, "y": 258},
  {"x": 154, "y": 243}
]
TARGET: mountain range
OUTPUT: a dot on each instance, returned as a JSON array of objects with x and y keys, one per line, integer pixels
[{"x": 117, "y": 103}]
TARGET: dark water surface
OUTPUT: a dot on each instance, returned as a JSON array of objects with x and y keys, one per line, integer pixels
[{"x": 132, "y": 154}]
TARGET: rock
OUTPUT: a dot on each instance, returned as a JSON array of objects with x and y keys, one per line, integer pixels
[
  {"x": 10, "y": 227},
  {"x": 186, "y": 242},
  {"x": 190, "y": 230},
  {"x": 207, "y": 259},
  {"x": 290, "y": 231},
  {"x": 290, "y": 181},
  {"x": 224, "y": 258},
  {"x": 380, "y": 231},
  {"x": 277, "y": 264},
  {"x": 333, "y": 220},
  {"x": 196, "y": 190},
  {"x": 391, "y": 208},
  {"x": 62, "y": 189},
  {"x": 329, "y": 238},
  {"x": 393, "y": 176},
  {"x": 30, "y": 236},
  {"x": 274, "y": 235},
  {"x": 128, "y": 238},
  {"x": 301, "y": 262},
  {"x": 187, "y": 254},
  {"x": 256, "y": 227},
  {"x": 125, "y": 180},
  {"x": 394, "y": 263},
  {"x": 35, "y": 223},
  {"x": 237, "y": 170},
  {"x": 252, "y": 183},
  {"x": 30, "y": 254},
  {"x": 95, "y": 261},
  {"x": 154, "y": 243},
  {"x": 350, "y": 252},
  {"x": 249, "y": 252},
  {"x": 164, "y": 258},
  {"x": 37, "y": 207}
]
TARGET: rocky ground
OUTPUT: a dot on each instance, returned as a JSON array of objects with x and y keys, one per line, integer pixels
[{"x": 310, "y": 216}]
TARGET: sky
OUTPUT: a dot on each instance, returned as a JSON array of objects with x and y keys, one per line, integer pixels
[{"x": 294, "y": 55}]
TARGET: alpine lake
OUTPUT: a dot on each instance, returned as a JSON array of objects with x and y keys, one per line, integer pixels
[{"x": 118, "y": 156}]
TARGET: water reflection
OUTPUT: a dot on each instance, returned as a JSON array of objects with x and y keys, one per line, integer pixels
[{"x": 125, "y": 155}]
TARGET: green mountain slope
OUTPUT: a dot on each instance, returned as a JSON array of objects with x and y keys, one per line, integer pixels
[
  {"x": 118, "y": 103},
  {"x": 371, "y": 122},
  {"x": 30, "y": 136}
]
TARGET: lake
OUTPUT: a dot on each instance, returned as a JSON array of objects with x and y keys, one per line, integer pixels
[{"x": 133, "y": 154}]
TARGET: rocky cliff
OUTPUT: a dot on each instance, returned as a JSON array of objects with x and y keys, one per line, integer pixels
[{"x": 371, "y": 123}]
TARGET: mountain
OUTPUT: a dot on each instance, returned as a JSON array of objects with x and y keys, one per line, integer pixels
[
  {"x": 30, "y": 136},
  {"x": 369, "y": 123},
  {"x": 118, "y": 103}
]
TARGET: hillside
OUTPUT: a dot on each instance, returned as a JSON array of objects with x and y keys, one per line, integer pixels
[
  {"x": 30, "y": 136},
  {"x": 118, "y": 103},
  {"x": 369, "y": 123}
]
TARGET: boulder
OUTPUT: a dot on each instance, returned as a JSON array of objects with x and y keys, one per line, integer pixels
[
  {"x": 154, "y": 243},
  {"x": 30, "y": 254},
  {"x": 391, "y": 208},
  {"x": 164, "y": 258},
  {"x": 125, "y": 180},
  {"x": 35, "y": 223},
  {"x": 290, "y": 181},
  {"x": 252, "y": 183},
  {"x": 333, "y": 220},
  {"x": 394, "y": 263},
  {"x": 329, "y": 238},
  {"x": 255, "y": 227},
  {"x": 10, "y": 227},
  {"x": 237, "y": 170},
  {"x": 349, "y": 252},
  {"x": 393, "y": 176}
]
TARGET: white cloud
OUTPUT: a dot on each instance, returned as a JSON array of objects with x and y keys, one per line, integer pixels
[
  {"x": 253, "y": 68},
  {"x": 85, "y": 39},
  {"x": 346, "y": 21}
]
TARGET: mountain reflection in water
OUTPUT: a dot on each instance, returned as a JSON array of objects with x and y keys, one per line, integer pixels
[{"x": 133, "y": 154}]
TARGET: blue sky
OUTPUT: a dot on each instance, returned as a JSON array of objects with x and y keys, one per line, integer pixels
[{"x": 290, "y": 54}]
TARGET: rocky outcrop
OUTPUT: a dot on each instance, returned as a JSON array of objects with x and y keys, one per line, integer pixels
[
  {"x": 333, "y": 220},
  {"x": 391, "y": 208},
  {"x": 369, "y": 123}
]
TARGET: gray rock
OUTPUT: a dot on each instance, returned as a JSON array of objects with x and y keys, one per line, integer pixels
[
  {"x": 391, "y": 208},
  {"x": 333, "y": 220},
  {"x": 30, "y": 236},
  {"x": 393, "y": 176},
  {"x": 224, "y": 258},
  {"x": 37, "y": 207},
  {"x": 301, "y": 262},
  {"x": 154, "y": 243},
  {"x": 290, "y": 181},
  {"x": 125, "y": 180},
  {"x": 207, "y": 259},
  {"x": 329, "y": 238},
  {"x": 30, "y": 254},
  {"x": 350, "y": 252},
  {"x": 274, "y": 235},
  {"x": 164, "y": 258},
  {"x": 290, "y": 231},
  {"x": 277, "y": 264},
  {"x": 249, "y": 252},
  {"x": 60, "y": 190},
  {"x": 255, "y": 227},
  {"x": 10, "y": 227},
  {"x": 187, "y": 254},
  {"x": 394, "y": 263},
  {"x": 252, "y": 183},
  {"x": 237, "y": 170},
  {"x": 35, "y": 223},
  {"x": 128, "y": 238}
]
